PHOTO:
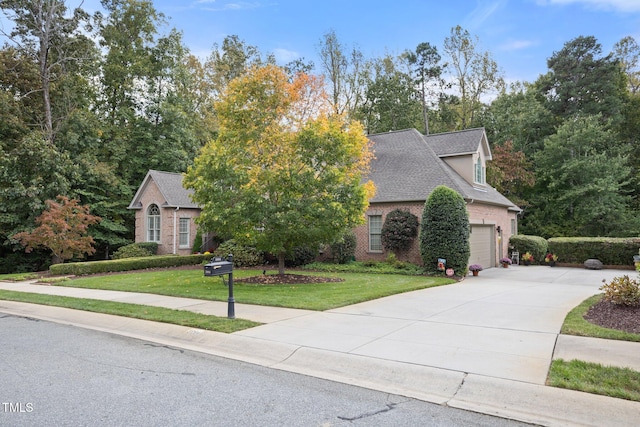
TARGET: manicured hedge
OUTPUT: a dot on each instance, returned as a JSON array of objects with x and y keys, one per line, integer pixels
[
  {"x": 535, "y": 245},
  {"x": 609, "y": 250},
  {"x": 126, "y": 264}
]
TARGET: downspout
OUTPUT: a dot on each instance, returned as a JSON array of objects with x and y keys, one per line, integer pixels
[{"x": 175, "y": 221}]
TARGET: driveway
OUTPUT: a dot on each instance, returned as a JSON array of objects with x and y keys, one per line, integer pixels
[{"x": 503, "y": 323}]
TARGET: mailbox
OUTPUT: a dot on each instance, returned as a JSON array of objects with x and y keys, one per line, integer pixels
[{"x": 218, "y": 267}]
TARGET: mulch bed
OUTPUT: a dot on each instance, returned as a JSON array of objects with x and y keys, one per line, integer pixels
[
  {"x": 286, "y": 279},
  {"x": 613, "y": 316}
]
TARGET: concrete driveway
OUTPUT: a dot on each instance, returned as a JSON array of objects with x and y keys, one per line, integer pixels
[{"x": 503, "y": 323}]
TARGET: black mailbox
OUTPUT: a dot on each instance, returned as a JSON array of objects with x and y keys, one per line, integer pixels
[{"x": 218, "y": 267}]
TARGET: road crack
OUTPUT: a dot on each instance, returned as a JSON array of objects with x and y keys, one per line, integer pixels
[{"x": 390, "y": 407}]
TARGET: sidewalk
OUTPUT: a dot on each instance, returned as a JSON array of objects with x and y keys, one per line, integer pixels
[{"x": 528, "y": 401}]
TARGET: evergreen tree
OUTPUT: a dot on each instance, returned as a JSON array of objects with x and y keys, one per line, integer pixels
[{"x": 444, "y": 231}]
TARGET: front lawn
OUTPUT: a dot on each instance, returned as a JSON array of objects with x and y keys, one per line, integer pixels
[{"x": 355, "y": 288}]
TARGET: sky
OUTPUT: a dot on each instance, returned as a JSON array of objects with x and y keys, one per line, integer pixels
[{"x": 520, "y": 34}]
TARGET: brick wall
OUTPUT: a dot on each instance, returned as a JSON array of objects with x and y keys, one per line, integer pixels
[
  {"x": 362, "y": 233},
  {"x": 168, "y": 228},
  {"x": 478, "y": 214}
]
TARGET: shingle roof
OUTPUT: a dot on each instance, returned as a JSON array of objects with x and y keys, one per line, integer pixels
[
  {"x": 457, "y": 143},
  {"x": 170, "y": 185},
  {"x": 407, "y": 169}
]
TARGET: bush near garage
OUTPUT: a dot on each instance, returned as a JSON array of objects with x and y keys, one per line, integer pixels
[
  {"x": 535, "y": 245},
  {"x": 609, "y": 250},
  {"x": 126, "y": 264},
  {"x": 444, "y": 231}
]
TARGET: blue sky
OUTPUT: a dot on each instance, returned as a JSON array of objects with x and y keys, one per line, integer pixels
[{"x": 520, "y": 34}]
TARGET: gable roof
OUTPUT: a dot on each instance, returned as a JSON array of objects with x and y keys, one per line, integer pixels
[
  {"x": 170, "y": 186},
  {"x": 459, "y": 143},
  {"x": 406, "y": 167}
]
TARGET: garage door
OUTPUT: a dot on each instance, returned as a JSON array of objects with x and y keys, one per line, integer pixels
[{"x": 482, "y": 245}]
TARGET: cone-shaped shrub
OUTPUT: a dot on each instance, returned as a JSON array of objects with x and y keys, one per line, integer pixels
[{"x": 444, "y": 231}]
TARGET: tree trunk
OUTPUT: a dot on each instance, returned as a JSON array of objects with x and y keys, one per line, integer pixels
[{"x": 281, "y": 263}]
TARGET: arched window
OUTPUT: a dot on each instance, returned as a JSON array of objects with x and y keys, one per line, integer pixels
[{"x": 153, "y": 224}]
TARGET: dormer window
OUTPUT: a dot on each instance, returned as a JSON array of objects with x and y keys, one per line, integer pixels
[{"x": 479, "y": 172}]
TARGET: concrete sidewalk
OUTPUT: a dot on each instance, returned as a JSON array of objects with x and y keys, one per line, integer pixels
[{"x": 484, "y": 344}]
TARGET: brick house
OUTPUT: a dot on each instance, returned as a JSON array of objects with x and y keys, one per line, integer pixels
[
  {"x": 406, "y": 169},
  {"x": 165, "y": 213}
]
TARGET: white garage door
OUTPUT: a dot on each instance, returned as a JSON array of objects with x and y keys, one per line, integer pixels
[{"x": 482, "y": 245}]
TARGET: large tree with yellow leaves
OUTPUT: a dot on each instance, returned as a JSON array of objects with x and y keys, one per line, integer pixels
[{"x": 283, "y": 172}]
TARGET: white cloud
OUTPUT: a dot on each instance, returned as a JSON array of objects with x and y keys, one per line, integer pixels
[
  {"x": 619, "y": 5},
  {"x": 284, "y": 56},
  {"x": 517, "y": 45},
  {"x": 239, "y": 5}
]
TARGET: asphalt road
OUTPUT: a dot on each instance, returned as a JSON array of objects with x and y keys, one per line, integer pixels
[{"x": 52, "y": 374}]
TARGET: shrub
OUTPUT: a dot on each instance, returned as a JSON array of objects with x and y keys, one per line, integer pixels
[
  {"x": 243, "y": 256},
  {"x": 197, "y": 244},
  {"x": 622, "y": 291},
  {"x": 609, "y": 250},
  {"x": 301, "y": 255},
  {"x": 93, "y": 267},
  {"x": 537, "y": 246},
  {"x": 399, "y": 230},
  {"x": 150, "y": 246},
  {"x": 344, "y": 250},
  {"x": 444, "y": 232},
  {"x": 134, "y": 250}
]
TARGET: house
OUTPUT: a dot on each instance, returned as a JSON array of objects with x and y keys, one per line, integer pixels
[
  {"x": 165, "y": 213},
  {"x": 408, "y": 166},
  {"x": 406, "y": 169}
]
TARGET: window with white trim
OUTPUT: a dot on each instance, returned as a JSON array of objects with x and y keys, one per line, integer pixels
[
  {"x": 153, "y": 223},
  {"x": 479, "y": 172},
  {"x": 375, "y": 233},
  {"x": 183, "y": 232}
]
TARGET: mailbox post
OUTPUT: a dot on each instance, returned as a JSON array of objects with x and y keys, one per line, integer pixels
[
  {"x": 231, "y": 302},
  {"x": 219, "y": 267}
]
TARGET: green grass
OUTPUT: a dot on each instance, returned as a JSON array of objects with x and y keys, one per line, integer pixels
[
  {"x": 19, "y": 276},
  {"x": 621, "y": 383},
  {"x": 137, "y": 311},
  {"x": 575, "y": 324},
  {"x": 318, "y": 296},
  {"x": 594, "y": 378}
]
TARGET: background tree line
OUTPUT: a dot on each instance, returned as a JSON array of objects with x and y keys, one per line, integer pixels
[{"x": 90, "y": 103}]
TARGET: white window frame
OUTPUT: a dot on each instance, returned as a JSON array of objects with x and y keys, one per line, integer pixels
[
  {"x": 153, "y": 223},
  {"x": 184, "y": 232},
  {"x": 375, "y": 233},
  {"x": 479, "y": 172}
]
